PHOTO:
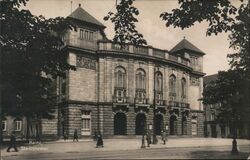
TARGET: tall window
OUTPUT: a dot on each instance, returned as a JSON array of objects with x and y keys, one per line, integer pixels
[
  {"x": 140, "y": 79},
  {"x": 18, "y": 125},
  {"x": 140, "y": 86},
  {"x": 86, "y": 34},
  {"x": 158, "y": 85},
  {"x": 120, "y": 77},
  {"x": 86, "y": 122},
  {"x": 172, "y": 86},
  {"x": 183, "y": 88}
]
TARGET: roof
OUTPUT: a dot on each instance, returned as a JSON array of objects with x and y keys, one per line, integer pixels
[
  {"x": 82, "y": 15},
  {"x": 185, "y": 44},
  {"x": 210, "y": 78}
]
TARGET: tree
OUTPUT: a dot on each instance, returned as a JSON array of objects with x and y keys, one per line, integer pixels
[
  {"x": 124, "y": 21},
  {"x": 31, "y": 59},
  {"x": 229, "y": 90},
  {"x": 222, "y": 16}
]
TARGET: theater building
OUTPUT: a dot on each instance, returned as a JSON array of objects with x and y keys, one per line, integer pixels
[{"x": 128, "y": 90}]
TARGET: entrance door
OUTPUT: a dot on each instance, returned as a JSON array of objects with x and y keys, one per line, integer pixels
[
  {"x": 158, "y": 124},
  {"x": 184, "y": 126},
  {"x": 140, "y": 124},
  {"x": 213, "y": 130},
  {"x": 173, "y": 125},
  {"x": 120, "y": 124}
]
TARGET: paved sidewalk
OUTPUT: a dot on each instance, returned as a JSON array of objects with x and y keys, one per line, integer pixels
[{"x": 119, "y": 145}]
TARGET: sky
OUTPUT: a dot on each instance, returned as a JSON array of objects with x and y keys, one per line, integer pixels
[{"x": 149, "y": 24}]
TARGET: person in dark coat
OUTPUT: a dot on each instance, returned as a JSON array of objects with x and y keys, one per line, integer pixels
[
  {"x": 65, "y": 136},
  {"x": 12, "y": 143},
  {"x": 99, "y": 140},
  {"x": 148, "y": 138},
  {"x": 75, "y": 136}
]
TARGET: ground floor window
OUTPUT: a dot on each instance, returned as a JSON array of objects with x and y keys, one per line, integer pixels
[
  {"x": 4, "y": 125},
  {"x": 194, "y": 125},
  {"x": 18, "y": 125},
  {"x": 86, "y": 123},
  {"x": 173, "y": 125}
]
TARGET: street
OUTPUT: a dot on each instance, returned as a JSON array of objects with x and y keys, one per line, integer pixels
[{"x": 183, "y": 148}]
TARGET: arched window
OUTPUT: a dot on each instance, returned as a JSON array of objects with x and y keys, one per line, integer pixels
[
  {"x": 120, "y": 77},
  {"x": 158, "y": 86},
  {"x": 140, "y": 86},
  {"x": 140, "y": 79},
  {"x": 158, "y": 81},
  {"x": 172, "y": 86},
  {"x": 120, "y": 85},
  {"x": 4, "y": 124},
  {"x": 183, "y": 88}
]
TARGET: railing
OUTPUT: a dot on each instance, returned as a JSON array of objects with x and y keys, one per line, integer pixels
[
  {"x": 81, "y": 43},
  {"x": 118, "y": 47},
  {"x": 140, "y": 100},
  {"x": 173, "y": 58},
  {"x": 141, "y": 50},
  {"x": 158, "y": 53},
  {"x": 117, "y": 99},
  {"x": 178, "y": 104},
  {"x": 160, "y": 102}
]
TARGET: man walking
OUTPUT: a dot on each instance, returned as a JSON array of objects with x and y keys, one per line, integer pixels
[
  {"x": 75, "y": 136},
  {"x": 12, "y": 142}
]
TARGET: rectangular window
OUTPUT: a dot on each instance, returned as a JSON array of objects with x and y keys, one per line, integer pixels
[
  {"x": 91, "y": 37},
  {"x": 4, "y": 125},
  {"x": 86, "y": 34},
  {"x": 86, "y": 123},
  {"x": 18, "y": 126},
  {"x": 81, "y": 34},
  {"x": 194, "y": 128}
]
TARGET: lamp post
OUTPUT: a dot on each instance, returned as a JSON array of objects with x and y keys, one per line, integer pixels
[
  {"x": 235, "y": 119},
  {"x": 154, "y": 108}
]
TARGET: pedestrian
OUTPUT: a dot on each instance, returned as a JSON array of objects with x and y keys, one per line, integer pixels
[
  {"x": 148, "y": 138},
  {"x": 12, "y": 142},
  {"x": 75, "y": 136},
  {"x": 163, "y": 136},
  {"x": 99, "y": 140},
  {"x": 95, "y": 136},
  {"x": 65, "y": 136}
]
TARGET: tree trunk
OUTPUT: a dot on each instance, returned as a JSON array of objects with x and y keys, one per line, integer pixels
[{"x": 28, "y": 129}]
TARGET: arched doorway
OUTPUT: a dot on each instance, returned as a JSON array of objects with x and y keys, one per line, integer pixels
[
  {"x": 173, "y": 125},
  {"x": 120, "y": 124},
  {"x": 158, "y": 124},
  {"x": 140, "y": 124},
  {"x": 184, "y": 126}
]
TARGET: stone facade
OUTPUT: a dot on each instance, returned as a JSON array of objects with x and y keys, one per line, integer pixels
[
  {"x": 129, "y": 90},
  {"x": 126, "y": 90}
]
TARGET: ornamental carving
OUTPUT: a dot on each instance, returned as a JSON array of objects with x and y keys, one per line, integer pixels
[
  {"x": 84, "y": 62},
  {"x": 194, "y": 81}
]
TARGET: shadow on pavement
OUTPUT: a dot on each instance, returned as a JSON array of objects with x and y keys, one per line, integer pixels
[{"x": 217, "y": 155}]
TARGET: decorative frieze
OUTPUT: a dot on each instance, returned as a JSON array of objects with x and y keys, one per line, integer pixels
[{"x": 84, "y": 62}]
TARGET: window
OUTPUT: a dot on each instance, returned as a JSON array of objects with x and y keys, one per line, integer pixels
[
  {"x": 81, "y": 34},
  {"x": 212, "y": 117},
  {"x": 158, "y": 86},
  {"x": 172, "y": 86},
  {"x": 18, "y": 125},
  {"x": 194, "y": 125},
  {"x": 140, "y": 79},
  {"x": 120, "y": 84},
  {"x": 4, "y": 125},
  {"x": 183, "y": 88},
  {"x": 87, "y": 35},
  {"x": 86, "y": 121}
]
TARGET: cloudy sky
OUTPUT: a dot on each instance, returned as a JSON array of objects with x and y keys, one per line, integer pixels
[{"x": 150, "y": 25}]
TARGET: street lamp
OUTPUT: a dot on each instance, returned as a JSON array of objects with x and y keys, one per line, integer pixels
[
  {"x": 235, "y": 119},
  {"x": 154, "y": 107}
]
